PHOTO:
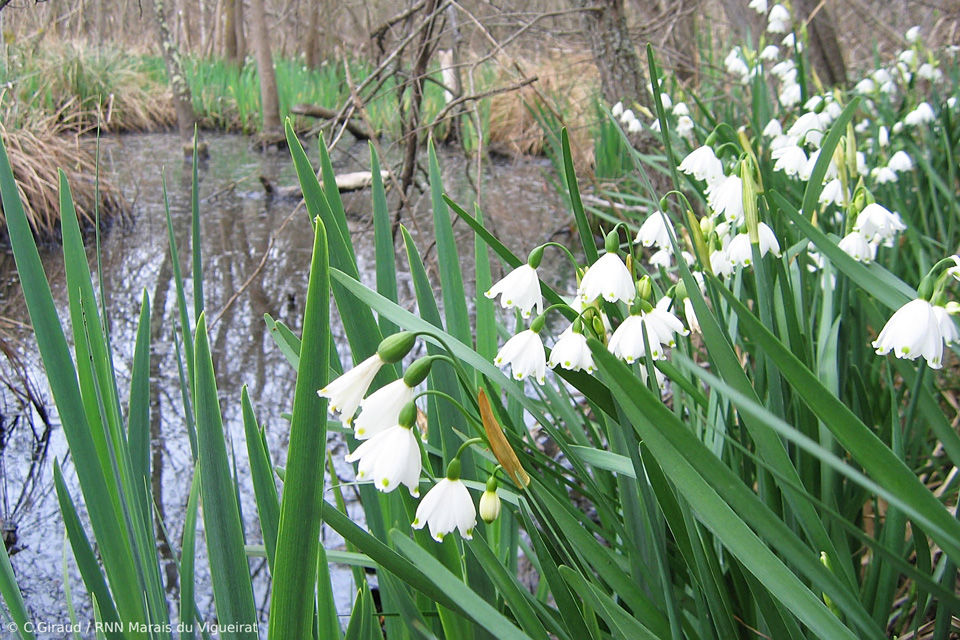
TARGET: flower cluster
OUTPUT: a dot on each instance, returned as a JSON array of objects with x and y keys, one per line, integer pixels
[{"x": 389, "y": 453}]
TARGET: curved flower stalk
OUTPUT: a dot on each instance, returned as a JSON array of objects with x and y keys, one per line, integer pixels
[{"x": 392, "y": 456}]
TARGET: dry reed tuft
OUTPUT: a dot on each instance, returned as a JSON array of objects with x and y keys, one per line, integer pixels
[
  {"x": 40, "y": 146},
  {"x": 566, "y": 89},
  {"x": 93, "y": 85}
]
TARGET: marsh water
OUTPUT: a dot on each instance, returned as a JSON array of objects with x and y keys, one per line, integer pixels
[{"x": 256, "y": 254}]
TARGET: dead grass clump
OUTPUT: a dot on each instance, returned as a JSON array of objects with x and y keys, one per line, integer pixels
[
  {"x": 36, "y": 152},
  {"x": 565, "y": 92},
  {"x": 94, "y": 84}
]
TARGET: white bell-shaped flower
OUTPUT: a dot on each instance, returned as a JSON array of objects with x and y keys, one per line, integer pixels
[
  {"x": 900, "y": 161},
  {"x": 883, "y": 175},
  {"x": 447, "y": 506},
  {"x": 626, "y": 342},
  {"x": 911, "y": 332},
  {"x": 832, "y": 193},
  {"x": 791, "y": 160},
  {"x": 948, "y": 330},
  {"x": 770, "y": 53},
  {"x": 741, "y": 253},
  {"x": 662, "y": 259},
  {"x": 702, "y": 163},
  {"x": 772, "y": 129},
  {"x": 778, "y": 20},
  {"x": 760, "y": 6},
  {"x": 878, "y": 223},
  {"x": 913, "y": 34},
  {"x": 381, "y": 409},
  {"x": 525, "y": 354},
  {"x": 720, "y": 263},
  {"x": 923, "y": 114},
  {"x": 572, "y": 353},
  {"x": 681, "y": 109},
  {"x": 390, "y": 458},
  {"x": 346, "y": 392},
  {"x": 726, "y": 199},
  {"x": 617, "y": 110},
  {"x": 608, "y": 278},
  {"x": 790, "y": 93},
  {"x": 521, "y": 289},
  {"x": 856, "y": 245}
]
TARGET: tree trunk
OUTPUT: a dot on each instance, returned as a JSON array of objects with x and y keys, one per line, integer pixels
[
  {"x": 746, "y": 23},
  {"x": 824, "y": 49},
  {"x": 312, "y": 37},
  {"x": 186, "y": 119},
  {"x": 621, "y": 73},
  {"x": 230, "y": 31},
  {"x": 269, "y": 103},
  {"x": 238, "y": 30}
]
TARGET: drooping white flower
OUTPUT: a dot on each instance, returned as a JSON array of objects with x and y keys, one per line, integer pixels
[
  {"x": 521, "y": 289},
  {"x": 617, "y": 110},
  {"x": 666, "y": 100},
  {"x": 572, "y": 353},
  {"x": 911, "y": 332},
  {"x": 740, "y": 252},
  {"x": 783, "y": 68},
  {"x": 691, "y": 316},
  {"x": 790, "y": 94},
  {"x": 685, "y": 126},
  {"x": 607, "y": 278},
  {"x": 720, "y": 263},
  {"x": 702, "y": 163},
  {"x": 772, "y": 129},
  {"x": 791, "y": 160},
  {"x": 447, "y": 506},
  {"x": 900, "y": 161},
  {"x": 907, "y": 57},
  {"x": 735, "y": 64},
  {"x": 832, "y": 193},
  {"x": 770, "y": 53},
  {"x": 883, "y": 175},
  {"x": 878, "y": 223},
  {"x": 489, "y": 505},
  {"x": 680, "y": 109},
  {"x": 928, "y": 72},
  {"x": 726, "y": 199},
  {"x": 627, "y": 116},
  {"x": 665, "y": 322},
  {"x": 808, "y": 128},
  {"x": 656, "y": 229},
  {"x": 525, "y": 354},
  {"x": 635, "y": 126},
  {"x": 790, "y": 41},
  {"x": 807, "y": 171},
  {"x": 856, "y": 245},
  {"x": 663, "y": 258},
  {"x": 391, "y": 458},
  {"x": 381, "y": 409},
  {"x": 865, "y": 86},
  {"x": 778, "y": 20},
  {"x": 346, "y": 392},
  {"x": 760, "y": 6},
  {"x": 883, "y": 136},
  {"x": 626, "y": 342},
  {"x": 913, "y": 34},
  {"x": 948, "y": 330},
  {"x": 923, "y": 114}
]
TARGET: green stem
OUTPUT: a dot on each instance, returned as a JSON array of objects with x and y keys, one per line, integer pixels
[{"x": 457, "y": 404}]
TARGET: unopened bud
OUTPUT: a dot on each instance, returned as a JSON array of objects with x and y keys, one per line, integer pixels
[
  {"x": 535, "y": 257},
  {"x": 394, "y": 348},
  {"x": 408, "y": 415},
  {"x": 644, "y": 288},
  {"x": 612, "y": 242},
  {"x": 418, "y": 371},
  {"x": 490, "y": 502}
]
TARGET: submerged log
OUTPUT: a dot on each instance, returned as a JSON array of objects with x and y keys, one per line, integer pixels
[
  {"x": 358, "y": 129},
  {"x": 346, "y": 182}
]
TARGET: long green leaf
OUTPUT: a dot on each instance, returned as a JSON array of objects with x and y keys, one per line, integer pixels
[
  {"x": 264, "y": 485},
  {"x": 232, "y": 589},
  {"x": 188, "y": 607},
  {"x": 386, "y": 256},
  {"x": 298, "y": 537}
]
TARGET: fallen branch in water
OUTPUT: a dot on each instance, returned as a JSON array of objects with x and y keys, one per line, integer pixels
[
  {"x": 358, "y": 129},
  {"x": 346, "y": 182}
]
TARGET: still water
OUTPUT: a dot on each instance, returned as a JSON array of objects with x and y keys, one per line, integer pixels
[{"x": 256, "y": 254}]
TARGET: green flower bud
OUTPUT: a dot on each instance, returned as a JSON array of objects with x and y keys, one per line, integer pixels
[
  {"x": 418, "y": 371},
  {"x": 408, "y": 415},
  {"x": 680, "y": 291},
  {"x": 537, "y": 325},
  {"x": 598, "y": 327},
  {"x": 535, "y": 257},
  {"x": 644, "y": 288},
  {"x": 925, "y": 290},
  {"x": 394, "y": 348},
  {"x": 707, "y": 225},
  {"x": 453, "y": 469},
  {"x": 612, "y": 241}
]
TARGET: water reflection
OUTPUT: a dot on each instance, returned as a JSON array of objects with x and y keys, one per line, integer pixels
[{"x": 253, "y": 264}]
